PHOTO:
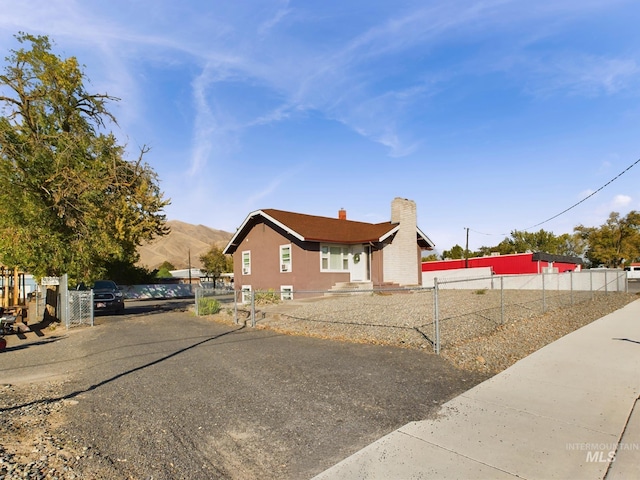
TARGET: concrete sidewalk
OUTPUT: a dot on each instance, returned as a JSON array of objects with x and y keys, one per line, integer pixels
[{"x": 562, "y": 412}]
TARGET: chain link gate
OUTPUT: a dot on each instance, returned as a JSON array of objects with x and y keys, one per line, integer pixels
[
  {"x": 80, "y": 308},
  {"x": 75, "y": 307}
]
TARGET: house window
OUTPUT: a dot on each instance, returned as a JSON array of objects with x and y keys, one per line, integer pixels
[
  {"x": 285, "y": 258},
  {"x": 246, "y": 294},
  {"x": 246, "y": 262},
  {"x": 334, "y": 258},
  {"x": 286, "y": 292}
]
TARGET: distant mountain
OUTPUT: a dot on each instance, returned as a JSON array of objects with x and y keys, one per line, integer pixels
[{"x": 183, "y": 240}]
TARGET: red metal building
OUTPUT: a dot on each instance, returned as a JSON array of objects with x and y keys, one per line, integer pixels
[{"x": 518, "y": 263}]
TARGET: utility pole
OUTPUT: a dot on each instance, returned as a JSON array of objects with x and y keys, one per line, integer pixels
[
  {"x": 466, "y": 251},
  {"x": 189, "y": 268}
]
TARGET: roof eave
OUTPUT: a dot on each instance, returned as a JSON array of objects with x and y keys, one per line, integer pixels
[
  {"x": 233, "y": 244},
  {"x": 389, "y": 233},
  {"x": 426, "y": 239}
]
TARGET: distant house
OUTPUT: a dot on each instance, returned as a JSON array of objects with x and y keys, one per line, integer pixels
[
  {"x": 197, "y": 276},
  {"x": 287, "y": 251},
  {"x": 186, "y": 275}
]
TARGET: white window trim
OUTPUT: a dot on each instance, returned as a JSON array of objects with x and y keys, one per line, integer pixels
[
  {"x": 246, "y": 270},
  {"x": 243, "y": 297},
  {"x": 286, "y": 292},
  {"x": 343, "y": 255},
  {"x": 286, "y": 268}
]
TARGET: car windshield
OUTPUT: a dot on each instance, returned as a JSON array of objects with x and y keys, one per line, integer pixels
[{"x": 104, "y": 284}]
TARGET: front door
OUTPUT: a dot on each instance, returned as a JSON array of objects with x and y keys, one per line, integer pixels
[{"x": 358, "y": 264}]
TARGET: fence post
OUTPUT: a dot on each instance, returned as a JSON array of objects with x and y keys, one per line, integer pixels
[
  {"x": 544, "y": 305},
  {"x": 571, "y": 287},
  {"x": 37, "y": 295},
  {"x": 501, "y": 300},
  {"x": 253, "y": 308},
  {"x": 63, "y": 299},
  {"x": 436, "y": 316},
  {"x": 235, "y": 306},
  {"x": 91, "y": 306}
]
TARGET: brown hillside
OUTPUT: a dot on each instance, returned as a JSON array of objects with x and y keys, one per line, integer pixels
[{"x": 175, "y": 247}]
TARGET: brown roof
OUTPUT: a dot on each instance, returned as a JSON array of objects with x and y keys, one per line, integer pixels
[
  {"x": 313, "y": 228},
  {"x": 324, "y": 229}
]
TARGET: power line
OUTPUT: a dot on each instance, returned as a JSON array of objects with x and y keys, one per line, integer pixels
[
  {"x": 587, "y": 197},
  {"x": 572, "y": 206},
  {"x": 482, "y": 233}
]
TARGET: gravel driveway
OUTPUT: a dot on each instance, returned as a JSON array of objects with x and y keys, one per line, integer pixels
[{"x": 167, "y": 395}]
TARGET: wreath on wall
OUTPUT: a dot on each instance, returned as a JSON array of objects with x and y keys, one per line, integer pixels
[{"x": 356, "y": 258}]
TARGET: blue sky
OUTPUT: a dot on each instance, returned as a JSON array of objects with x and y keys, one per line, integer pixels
[{"x": 491, "y": 115}]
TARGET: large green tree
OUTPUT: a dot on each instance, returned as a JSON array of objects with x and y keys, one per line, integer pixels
[
  {"x": 614, "y": 243},
  {"x": 455, "y": 253},
  {"x": 164, "y": 270},
  {"x": 70, "y": 201},
  {"x": 214, "y": 263}
]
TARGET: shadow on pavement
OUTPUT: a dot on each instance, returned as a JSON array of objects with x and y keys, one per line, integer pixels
[{"x": 120, "y": 375}]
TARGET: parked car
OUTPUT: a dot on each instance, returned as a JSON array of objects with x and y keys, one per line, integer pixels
[
  {"x": 107, "y": 297},
  {"x": 633, "y": 271}
]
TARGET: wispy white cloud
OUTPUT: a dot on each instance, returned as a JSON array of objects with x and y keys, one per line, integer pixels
[
  {"x": 267, "y": 25},
  {"x": 279, "y": 114},
  {"x": 273, "y": 185},
  {"x": 621, "y": 201},
  {"x": 339, "y": 83},
  {"x": 392, "y": 72},
  {"x": 585, "y": 193},
  {"x": 266, "y": 191},
  {"x": 582, "y": 75},
  {"x": 343, "y": 85},
  {"x": 207, "y": 128}
]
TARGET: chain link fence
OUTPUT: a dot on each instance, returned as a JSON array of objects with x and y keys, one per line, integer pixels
[
  {"x": 469, "y": 308},
  {"x": 433, "y": 317},
  {"x": 71, "y": 307},
  {"x": 79, "y": 308}
]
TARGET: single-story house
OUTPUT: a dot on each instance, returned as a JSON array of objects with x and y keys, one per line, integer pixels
[{"x": 287, "y": 251}]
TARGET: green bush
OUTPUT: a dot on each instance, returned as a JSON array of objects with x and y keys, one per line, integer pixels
[{"x": 208, "y": 306}]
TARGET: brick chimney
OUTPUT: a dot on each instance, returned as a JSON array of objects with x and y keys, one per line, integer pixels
[
  {"x": 342, "y": 214},
  {"x": 401, "y": 257}
]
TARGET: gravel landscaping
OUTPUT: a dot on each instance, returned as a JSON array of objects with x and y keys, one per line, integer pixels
[
  {"x": 480, "y": 330},
  {"x": 30, "y": 446}
]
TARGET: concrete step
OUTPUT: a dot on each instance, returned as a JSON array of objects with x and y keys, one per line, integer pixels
[{"x": 350, "y": 288}]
